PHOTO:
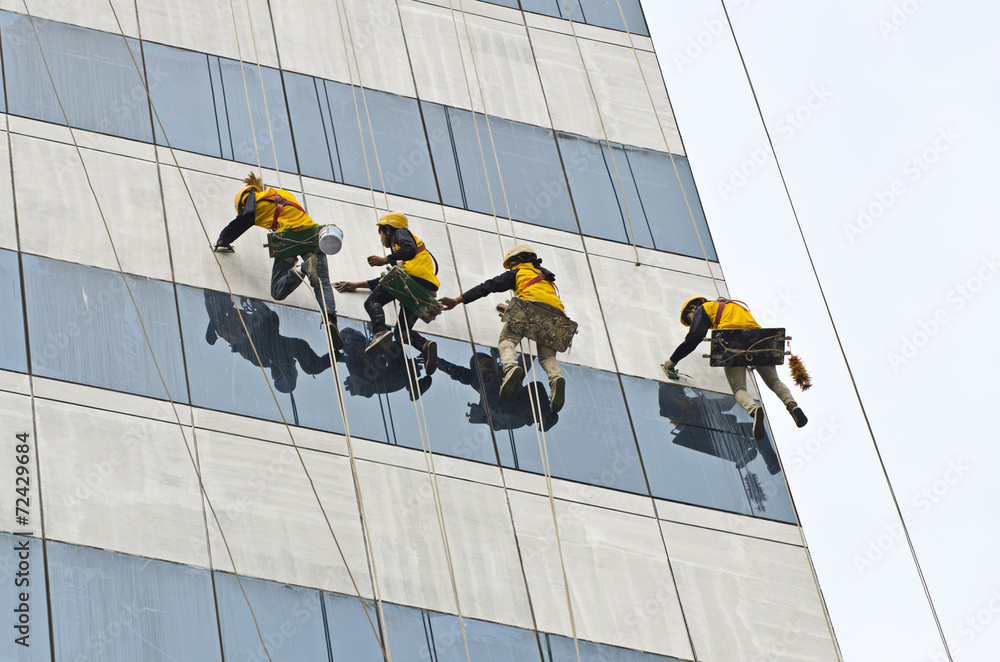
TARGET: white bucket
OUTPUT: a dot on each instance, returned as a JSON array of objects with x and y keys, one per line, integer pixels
[{"x": 331, "y": 238}]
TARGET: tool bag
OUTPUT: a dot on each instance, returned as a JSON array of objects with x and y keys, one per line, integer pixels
[
  {"x": 408, "y": 292},
  {"x": 289, "y": 243},
  {"x": 535, "y": 322},
  {"x": 733, "y": 348}
]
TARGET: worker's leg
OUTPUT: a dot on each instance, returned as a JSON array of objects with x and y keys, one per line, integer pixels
[
  {"x": 557, "y": 385},
  {"x": 323, "y": 290},
  {"x": 737, "y": 378},
  {"x": 284, "y": 280},
  {"x": 373, "y": 305},
  {"x": 513, "y": 373},
  {"x": 770, "y": 377}
]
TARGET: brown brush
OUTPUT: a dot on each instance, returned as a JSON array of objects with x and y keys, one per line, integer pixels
[
  {"x": 799, "y": 373},
  {"x": 253, "y": 180}
]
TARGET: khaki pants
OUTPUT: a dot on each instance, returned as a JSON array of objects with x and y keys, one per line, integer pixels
[
  {"x": 737, "y": 378},
  {"x": 508, "y": 355}
]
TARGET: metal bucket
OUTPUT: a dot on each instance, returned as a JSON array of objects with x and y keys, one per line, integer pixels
[{"x": 331, "y": 238}]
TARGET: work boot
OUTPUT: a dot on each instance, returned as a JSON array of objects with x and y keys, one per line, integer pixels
[
  {"x": 511, "y": 381},
  {"x": 430, "y": 354},
  {"x": 758, "y": 423},
  {"x": 797, "y": 414},
  {"x": 558, "y": 388},
  {"x": 377, "y": 339},
  {"x": 331, "y": 325}
]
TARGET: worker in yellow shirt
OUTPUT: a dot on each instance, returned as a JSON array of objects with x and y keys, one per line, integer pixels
[
  {"x": 529, "y": 280},
  {"x": 278, "y": 210},
  {"x": 700, "y": 315},
  {"x": 417, "y": 262}
]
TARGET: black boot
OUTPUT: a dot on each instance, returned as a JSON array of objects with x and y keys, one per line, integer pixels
[{"x": 797, "y": 414}]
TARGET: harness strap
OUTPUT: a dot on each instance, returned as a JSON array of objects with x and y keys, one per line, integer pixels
[
  {"x": 421, "y": 249},
  {"x": 279, "y": 204},
  {"x": 537, "y": 279},
  {"x": 722, "y": 304}
]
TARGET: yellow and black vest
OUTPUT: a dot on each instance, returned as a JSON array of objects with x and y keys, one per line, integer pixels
[
  {"x": 422, "y": 264},
  {"x": 278, "y": 210},
  {"x": 734, "y": 315},
  {"x": 532, "y": 285}
]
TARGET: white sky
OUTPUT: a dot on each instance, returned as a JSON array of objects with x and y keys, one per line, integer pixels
[{"x": 890, "y": 107}]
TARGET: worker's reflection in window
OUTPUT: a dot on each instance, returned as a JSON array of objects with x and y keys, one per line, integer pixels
[{"x": 382, "y": 371}]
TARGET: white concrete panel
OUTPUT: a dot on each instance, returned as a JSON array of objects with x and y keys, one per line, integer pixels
[
  {"x": 590, "y": 495},
  {"x": 728, "y": 522},
  {"x": 747, "y": 599},
  {"x": 119, "y": 482},
  {"x": 208, "y": 26},
  {"x": 96, "y": 14},
  {"x": 642, "y": 308},
  {"x": 14, "y": 382},
  {"x": 500, "y": 66},
  {"x": 619, "y": 580},
  {"x": 271, "y": 518},
  {"x": 374, "y": 35},
  {"x": 90, "y": 140},
  {"x": 402, "y": 457},
  {"x": 19, "y": 467},
  {"x": 410, "y": 555},
  {"x": 64, "y": 222},
  {"x": 116, "y": 401},
  {"x": 8, "y": 227},
  {"x": 662, "y": 259},
  {"x": 269, "y": 431},
  {"x": 622, "y": 97},
  {"x": 479, "y": 256}
]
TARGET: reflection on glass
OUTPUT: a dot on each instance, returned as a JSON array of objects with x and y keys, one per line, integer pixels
[
  {"x": 97, "y": 81},
  {"x": 289, "y": 617},
  {"x": 83, "y": 327},
  {"x": 381, "y": 371},
  {"x": 608, "y": 14},
  {"x": 24, "y": 643},
  {"x": 183, "y": 93},
  {"x": 439, "y": 135},
  {"x": 484, "y": 375},
  {"x": 593, "y": 443},
  {"x": 244, "y": 128},
  {"x": 698, "y": 448},
  {"x": 119, "y": 608},
  {"x": 351, "y": 634},
  {"x": 13, "y": 355}
]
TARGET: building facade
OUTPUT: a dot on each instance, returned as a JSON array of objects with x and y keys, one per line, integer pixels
[{"x": 192, "y": 474}]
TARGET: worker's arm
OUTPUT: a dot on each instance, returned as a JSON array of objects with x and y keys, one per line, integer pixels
[
  {"x": 699, "y": 329},
  {"x": 505, "y": 281},
  {"x": 240, "y": 224},
  {"x": 407, "y": 247},
  {"x": 350, "y": 286}
]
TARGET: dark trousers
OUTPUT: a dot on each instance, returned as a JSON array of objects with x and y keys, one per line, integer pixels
[
  {"x": 379, "y": 297},
  {"x": 284, "y": 281}
]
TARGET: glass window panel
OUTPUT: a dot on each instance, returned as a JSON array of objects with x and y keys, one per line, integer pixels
[
  {"x": 239, "y": 118},
  {"x": 350, "y": 633},
  {"x": 663, "y": 201},
  {"x": 563, "y": 649},
  {"x": 410, "y": 634},
  {"x": 446, "y": 407},
  {"x": 590, "y": 440},
  {"x": 698, "y": 448},
  {"x": 180, "y": 84},
  {"x": 315, "y": 142},
  {"x": 292, "y": 346},
  {"x": 118, "y": 608},
  {"x": 93, "y": 72},
  {"x": 533, "y": 177},
  {"x": 546, "y": 7},
  {"x": 505, "y": 3},
  {"x": 83, "y": 328},
  {"x": 399, "y": 137},
  {"x": 575, "y": 10},
  {"x": 22, "y": 574},
  {"x": 591, "y": 181},
  {"x": 290, "y": 619},
  {"x": 13, "y": 355},
  {"x": 221, "y": 112},
  {"x": 608, "y": 14},
  {"x": 443, "y": 152},
  {"x": 488, "y": 642},
  {"x": 632, "y": 205}
]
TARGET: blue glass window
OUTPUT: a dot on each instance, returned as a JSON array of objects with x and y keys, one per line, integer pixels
[
  {"x": 439, "y": 135},
  {"x": 351, "y": 634},
  {"x": 265, "y": 123},
  {"x": 290, "y": 618},
  {"x": 83, "y": 328},
  {"x": 563, "y": 649},
  {"x": 118, "y": 608},
  {"x": 13, "y": 355},
  {"x": 546, "y": 7},
  {"x": 698, "y": 448},
  {"x": 181, "y": 85},
  {"x": 533, "y": 178},
  {"x": 22, "y": 572},
  {"x": 590, "y": 440},
  {"x": 416, "y": 635},
  {"x": 93, "y": 72},
  {"x": 608, "y": 14},
  {"x": 315, "y": 135}
]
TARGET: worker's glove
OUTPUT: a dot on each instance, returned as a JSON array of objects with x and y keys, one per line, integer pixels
[
  {"x": 223, "y": 248},
  {"x": 670, "y": 368}
]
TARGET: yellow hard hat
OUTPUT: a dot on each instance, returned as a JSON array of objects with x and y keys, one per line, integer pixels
[
  {"x": 395, "y": 219},
  {"x": 523, "y": 249},
  {"x": 687, "y": 304},
  {"x": 241, "y": 196}
]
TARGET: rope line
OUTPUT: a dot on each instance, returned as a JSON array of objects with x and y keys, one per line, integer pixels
[
  {"x": 142, "y": 324},
  {"x": 843, "y": 352},
  {"x": 243, "y": 322},
  {"x": 246, "y": 89},
  {"x": 263, "y": 92}
]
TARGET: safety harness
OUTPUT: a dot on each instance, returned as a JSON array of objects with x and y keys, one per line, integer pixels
[
  {"x": 280, "y": 203},
  {"x": 722, "y": 304}
]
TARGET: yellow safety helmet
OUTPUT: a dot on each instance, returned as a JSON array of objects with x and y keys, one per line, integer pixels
[
  {"x": 395, "y": 219},
  {"x": 242, "y": 195},
  {"x": 687, "y": 304},
  {"x": 523, "y": 249}
]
